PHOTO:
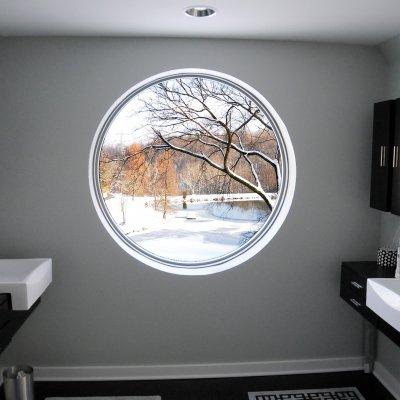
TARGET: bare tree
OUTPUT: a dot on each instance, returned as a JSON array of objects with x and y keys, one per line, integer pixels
[{"x": 215, "y": 124}]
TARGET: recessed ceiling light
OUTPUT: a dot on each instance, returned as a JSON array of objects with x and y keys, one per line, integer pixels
[{"x": 200, "y": 11}]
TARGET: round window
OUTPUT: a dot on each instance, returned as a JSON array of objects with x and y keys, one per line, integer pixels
[{"x": 192, "y": 171}]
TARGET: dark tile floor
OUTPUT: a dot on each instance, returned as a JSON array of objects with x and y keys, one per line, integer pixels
[{"x": 215, "y": 389}]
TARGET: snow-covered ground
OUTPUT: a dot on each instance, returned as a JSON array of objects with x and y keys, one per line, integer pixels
[{"x": 203, "y": 231}]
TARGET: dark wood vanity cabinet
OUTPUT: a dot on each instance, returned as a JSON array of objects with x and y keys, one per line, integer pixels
[
  {"x": 353, "y": 290},
  {"x": 353, "y": 287},
  {"x": 385, "y": 171}
]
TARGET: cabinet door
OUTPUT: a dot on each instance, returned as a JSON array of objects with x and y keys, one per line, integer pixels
[
  {"x": 395, "y": 203},
  {"x": 382, "y": 144}
]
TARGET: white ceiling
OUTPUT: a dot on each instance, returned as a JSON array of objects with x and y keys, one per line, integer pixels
[{"x": 346, "y": 21}]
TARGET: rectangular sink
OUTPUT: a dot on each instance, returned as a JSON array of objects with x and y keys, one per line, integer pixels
[
  {"x": 25, "y": 280},
  {"x": 383, "y": 298}
]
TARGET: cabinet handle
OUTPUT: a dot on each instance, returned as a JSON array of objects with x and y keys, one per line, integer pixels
[
  {"x": 355, "y": 302},
  {"x": 356, "y": 285},
  {"x": 382, "y": 162},
  {"x": 395, "y": 163}
]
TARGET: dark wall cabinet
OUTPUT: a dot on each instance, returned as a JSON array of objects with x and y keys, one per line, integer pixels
[
  {"x": 395, "y": 193},
  {"x": 385, "y": 174},
  {"x": 382, "y": 143}
]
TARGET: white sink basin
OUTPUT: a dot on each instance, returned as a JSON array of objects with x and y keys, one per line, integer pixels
[
  {"x": 383, "y": 298},
  {"x": 25, "y": 280}
]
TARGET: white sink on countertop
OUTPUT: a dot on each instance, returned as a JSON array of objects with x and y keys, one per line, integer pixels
[
  {"x": 383, "y": 298},
  {"x": 25, "y": 280}
]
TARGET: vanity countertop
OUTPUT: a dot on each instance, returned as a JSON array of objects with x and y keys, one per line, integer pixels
[
  {"x": 369, "y": 269},
  {"x": 25, "y": 280}
]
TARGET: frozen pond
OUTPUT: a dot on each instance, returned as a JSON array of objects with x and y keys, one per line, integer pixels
[{"x": 198, "y": 233}]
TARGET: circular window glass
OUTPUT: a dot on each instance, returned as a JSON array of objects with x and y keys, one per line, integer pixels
[{"x": 192, "y": 171}]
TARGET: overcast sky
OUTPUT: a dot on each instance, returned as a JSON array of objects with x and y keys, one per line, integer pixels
[{"x": 130, "y": 125}]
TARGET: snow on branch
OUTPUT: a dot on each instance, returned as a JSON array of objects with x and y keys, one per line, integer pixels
[{"x": 214, "y": 124}]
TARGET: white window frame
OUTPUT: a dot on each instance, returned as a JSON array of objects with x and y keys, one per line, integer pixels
[{"x": 243, "y": 253}]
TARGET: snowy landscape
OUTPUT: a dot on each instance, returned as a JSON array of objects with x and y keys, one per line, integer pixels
[
  {"x": 204, "y": 230},
  {"x": 190, "y": 169}
]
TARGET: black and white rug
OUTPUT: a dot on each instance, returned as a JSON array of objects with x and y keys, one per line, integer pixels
[
  {"x": 107, "y": 398},
  {"x": 347, "y": 393}
]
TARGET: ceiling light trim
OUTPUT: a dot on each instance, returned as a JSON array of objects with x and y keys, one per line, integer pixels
[{"x": 200, "y": 11}]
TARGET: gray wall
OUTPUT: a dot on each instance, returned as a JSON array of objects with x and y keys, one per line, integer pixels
[
  {"x": 106, "y": 308},
  {"x": 388, "y": 353}
]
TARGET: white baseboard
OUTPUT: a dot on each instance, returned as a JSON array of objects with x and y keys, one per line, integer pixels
[
  {"x": 391, "y": 383},
  {"x": 185, "y": 371}
]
